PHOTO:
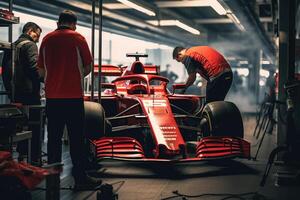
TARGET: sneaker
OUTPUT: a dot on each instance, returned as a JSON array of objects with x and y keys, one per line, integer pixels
[{"x": 87, "y": 183}]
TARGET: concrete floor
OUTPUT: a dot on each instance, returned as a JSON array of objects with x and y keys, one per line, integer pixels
[{"x": 152, "y": 181}]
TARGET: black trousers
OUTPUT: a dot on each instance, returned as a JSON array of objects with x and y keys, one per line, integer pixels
[
  {"x": 217, "y": 89},
  {"x": 22, "y": 147},
  {"x": 69, "y": 112}
]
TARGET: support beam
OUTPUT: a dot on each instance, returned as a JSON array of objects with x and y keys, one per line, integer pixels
[
  {"x": 213, "y": 21},
  {"x": 286, "y": 57},
  {"x": 171, "y": 4},
  {"x": 254, "y": 74},
  {"x": 100, "y": 20},
  {"x": 93, "y": 47}
]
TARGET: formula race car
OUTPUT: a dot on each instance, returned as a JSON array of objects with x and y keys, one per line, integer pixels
[{"x": 140, "y": 120}]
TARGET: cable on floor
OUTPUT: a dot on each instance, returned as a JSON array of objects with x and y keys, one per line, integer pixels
[
  {"x": 121, "y": 183},
  {"x": 241, "y": 196}
]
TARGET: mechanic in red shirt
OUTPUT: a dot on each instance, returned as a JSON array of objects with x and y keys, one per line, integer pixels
[
  {"x": 211, "y": 65},
  {"x": 64, "y": 61}
]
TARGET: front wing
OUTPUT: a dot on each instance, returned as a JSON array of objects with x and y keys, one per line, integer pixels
[{"x": 208, "y": 148}]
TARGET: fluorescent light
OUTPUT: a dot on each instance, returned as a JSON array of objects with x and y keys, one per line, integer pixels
[
  {"x": 215, "y": 4},
  {"x": 187, "y": 28},
  {"x": 265, "y": 62},
  {"x": 230, "y": 58},
  {"x": 262, "y": 83},
  {"x": 174, "y": 23},
  {"x": 236, "y": 21},
  {"x": 243, "y": 62},
  {"x": 137, "y": 7},
  {"x": 243, "y": 71},
  {"x": 264, "y": 73}
]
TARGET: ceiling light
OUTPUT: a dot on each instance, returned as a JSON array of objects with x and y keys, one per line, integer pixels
[
  {"x": 243, "y": 71},
  {"x": 236, "y": 21},
  {"x": 244, "y": 62},
  {"x": 262, "y": 83},
  {"x": 174, "y": 23},
  {"x": 215, "y": 4},
  {"x": 187, "y": 28},
  {"x": 265, "y": 62},
  {"x": 264, "y": 73},
  {"x": 137, "y": 7}
]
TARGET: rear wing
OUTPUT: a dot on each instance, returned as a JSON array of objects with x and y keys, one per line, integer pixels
[
  {"x": 152, "y": 69},
  {"x": 109, "y": 70},
  {"x": 112, "y": 70},
  {"x": 148, "y": 69}
]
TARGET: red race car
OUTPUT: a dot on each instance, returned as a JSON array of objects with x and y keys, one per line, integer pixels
[{"x": 140, "y": 120}]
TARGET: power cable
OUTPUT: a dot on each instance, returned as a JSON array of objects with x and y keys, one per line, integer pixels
[{"x": 241, "y": 196}]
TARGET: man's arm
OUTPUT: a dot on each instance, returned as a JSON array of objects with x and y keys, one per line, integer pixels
[
  {"x": 85, "y": 55},
  {"x": 30, "y": 60},
  {"x": 191, "y": 79},
  {"x": 40, "y": 63}
]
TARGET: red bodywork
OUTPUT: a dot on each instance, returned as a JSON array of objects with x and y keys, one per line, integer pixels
[{"x": 151, "y": 124}]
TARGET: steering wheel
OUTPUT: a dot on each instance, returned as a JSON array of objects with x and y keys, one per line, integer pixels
[{"x": 137, "y": 89}]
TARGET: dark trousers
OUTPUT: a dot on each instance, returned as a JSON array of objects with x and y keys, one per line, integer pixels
[
  {"x": 217, "y": 89},
  {"x": 69, "y": 112},
  {"x": 22, "y": 147}
]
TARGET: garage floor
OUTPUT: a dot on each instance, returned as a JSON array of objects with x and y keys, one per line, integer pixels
[{"x": 140, "y": 181}]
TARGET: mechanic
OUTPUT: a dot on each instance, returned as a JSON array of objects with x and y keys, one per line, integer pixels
[
  {"x": 169, "y": 74},
  {"x": 64, "y": 61},
  {"x": 211, "y": 65},
  {"x": 27, "y": 82}
]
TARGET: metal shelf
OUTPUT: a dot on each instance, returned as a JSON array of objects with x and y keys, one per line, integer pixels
[
  {"x": 5, "y": 45},
  {"x": 6, "y": 22}
]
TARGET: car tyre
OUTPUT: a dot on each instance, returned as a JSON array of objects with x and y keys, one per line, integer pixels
[
  {"x": 94, "y": 124},
  {"x": 221, "y": 118}
]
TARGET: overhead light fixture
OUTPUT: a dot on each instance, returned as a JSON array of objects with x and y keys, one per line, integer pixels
[
  {"x": 137, "y": 7},
  {"x": 243, "y": 62},
  {"x": 236, "y": 21},
  {"x": 174, "y": 23},
  {"x": 243, "y": 71},
  {"x": 264, "y": 73},
  {"x": 230, "y": 58},
  {"x": 265, "y": 62},
  {"x": 187, "y": 28},
  {"x": 215, "y": 4}
]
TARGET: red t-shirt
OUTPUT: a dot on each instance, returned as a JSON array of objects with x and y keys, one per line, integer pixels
[
  {"x": 63, "y": 54},
  {"x": 205, "y": 60}
]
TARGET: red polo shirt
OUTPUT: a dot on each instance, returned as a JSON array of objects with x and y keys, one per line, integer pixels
[
  {"x": 63, "y": 54},
  {"x": 207, "y": 61}
]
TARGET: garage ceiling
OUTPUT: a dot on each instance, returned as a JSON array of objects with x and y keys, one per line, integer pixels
[{"x": 231, "y": 24}]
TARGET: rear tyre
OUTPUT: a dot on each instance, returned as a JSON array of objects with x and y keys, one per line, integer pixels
[
  {"x": 94, "y": 124},
  {"x": 221, "y": 118}
]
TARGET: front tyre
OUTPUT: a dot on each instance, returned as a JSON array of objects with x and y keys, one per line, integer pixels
[
  {"x": 94, "y": 124},
  {"x": 221, "y": 118}
]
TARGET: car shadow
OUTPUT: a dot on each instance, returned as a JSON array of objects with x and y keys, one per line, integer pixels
[{"x": 117, "y": 169}]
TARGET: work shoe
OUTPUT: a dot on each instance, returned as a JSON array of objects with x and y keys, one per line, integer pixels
[{"x": 87, "y": 183}]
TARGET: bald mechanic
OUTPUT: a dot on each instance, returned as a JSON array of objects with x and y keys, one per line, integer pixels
[
  {"x": 211, "y": 65},
  {"x": 64, "y": 61}
]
